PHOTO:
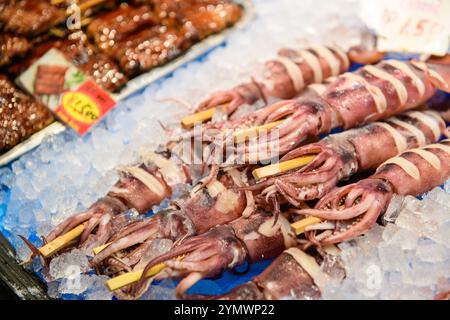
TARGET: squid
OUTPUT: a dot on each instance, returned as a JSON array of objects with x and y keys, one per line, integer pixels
[
  {"x": 351, "y": 210},
  {"x": 339, "y": 156},
  {"x": 286, "y": 76},
  {"x": 215, "y": 204},
  {"x": 260, "y": 236},
  {"x": 294, "y": 274},
  {"x": 371, "y": 93}
]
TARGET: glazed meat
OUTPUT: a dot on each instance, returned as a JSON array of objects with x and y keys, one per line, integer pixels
[
  {"x": 149, "y": 48},
  {"x": 201, "y": 17},
  {"x": 12, "y": 46},
  {"x": 29, "y": 17},
  {"x": 98, "y": 65},
  {"x": 20, "y": 115},
  {"x": 210, "y": 16},
  {"x": 110, "y": 27}
]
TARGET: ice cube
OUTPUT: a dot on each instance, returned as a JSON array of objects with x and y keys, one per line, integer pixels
[
  {"x": 394, "y": 208},
  {"x": 98, "y": 290},
  {"x": 391, "y": 256},
  {"x": 429, "y": 251},
  {"x": 404, "y": 238},
  {"x": 68, "y": 265}
]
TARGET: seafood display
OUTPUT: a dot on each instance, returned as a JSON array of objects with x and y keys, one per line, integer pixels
[
  {"x": 352, "y": 210},
  {"x": 327, "y": 166},
  {"x": 20, "y": 115},
  {"x": 213, "y": 205}
]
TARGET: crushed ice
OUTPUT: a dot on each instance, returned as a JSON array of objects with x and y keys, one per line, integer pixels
[
  {"x": 66, "y": 174},
  {"x": 406, "y": 259}
]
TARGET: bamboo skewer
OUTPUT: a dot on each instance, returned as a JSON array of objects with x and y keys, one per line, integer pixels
[
  {"x": 252, "y": 132},
  {"x": 130, "y": 277},
  {"x": 99, "y": 249},
  {"x": 300, "y": 226},
  {"x": 90, "y": 4},
  {"x": 202, "y": 116},
  {"x": 61, "y": 241},
  {"x": 281, "y": 167}
]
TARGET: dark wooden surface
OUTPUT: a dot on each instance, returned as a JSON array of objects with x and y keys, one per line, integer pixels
[{"x": 14, "y": 279}]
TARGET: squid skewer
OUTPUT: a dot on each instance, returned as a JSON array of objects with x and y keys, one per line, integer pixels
[
  {"x": 385, "y": 139},
  {"x": 294, "y": 274},
  {"x": 283, "y": 77},
  {"x": 371, "y": 93},
  {"x": 339, "y": 156},
  {"x": 260, "y": 236},
  {"x": 335, "y": 158},
  {"x": 206, "y": 208},
  {"x": 353, "y": 209}
]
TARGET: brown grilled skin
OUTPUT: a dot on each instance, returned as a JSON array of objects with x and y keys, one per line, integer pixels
[
  {"x": 20, "y": 115},
  {"x": 29, "y": 17},
  {"x": 12, "y": 46}
]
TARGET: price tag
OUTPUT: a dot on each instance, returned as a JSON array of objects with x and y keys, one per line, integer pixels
[
  {"x": 416, "y": 26},
  {"x": 72, "y": 96}
]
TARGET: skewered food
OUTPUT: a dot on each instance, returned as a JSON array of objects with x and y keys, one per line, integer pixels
[
  {"x": 12, "y": 46},
  {"x": 20, "y": 115},
  {"x": 204, "y": 209},
  {"x": 284, "y": 77},
  {"x": 140, "y": 40},
  {"x": 294, "y": 274},
  {"x": 341, "y": 155},
  {"x": 110, "y": 27},
  {"x": 29, "y": 17},
  {"x": 225, "y": 247},
  {"x": 149, "y": 48},
  {"x": 139, "y": 187},
  {"x": 353, "y": 209},
  {"x": 369, "y": 94},
  {"x": 82, "y": 54}
]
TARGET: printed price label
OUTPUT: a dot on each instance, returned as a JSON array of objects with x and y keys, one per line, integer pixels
[
  {"x": 69, "y": 93},
  {"x": 84, "y": 107},
  {"x": 417, "y": 26}
]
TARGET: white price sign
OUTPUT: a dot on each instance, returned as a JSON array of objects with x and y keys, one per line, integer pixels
[{"x": 418, "y": 26}]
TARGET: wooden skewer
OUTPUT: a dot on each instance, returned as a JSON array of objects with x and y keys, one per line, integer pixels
[
  {"x": 130, "y": 277},
  {"x": 300, "y": 226},
  {"x": 89, "y": 4},
  {"x": 252, "y": 132},
  {"x": 99, "y": 249},
  {"x": 61, "y": 241},
  {"x": 281, "y": 167},
  {"x": 83, "y": 6},
  {"x": 202, "y": 116}
]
